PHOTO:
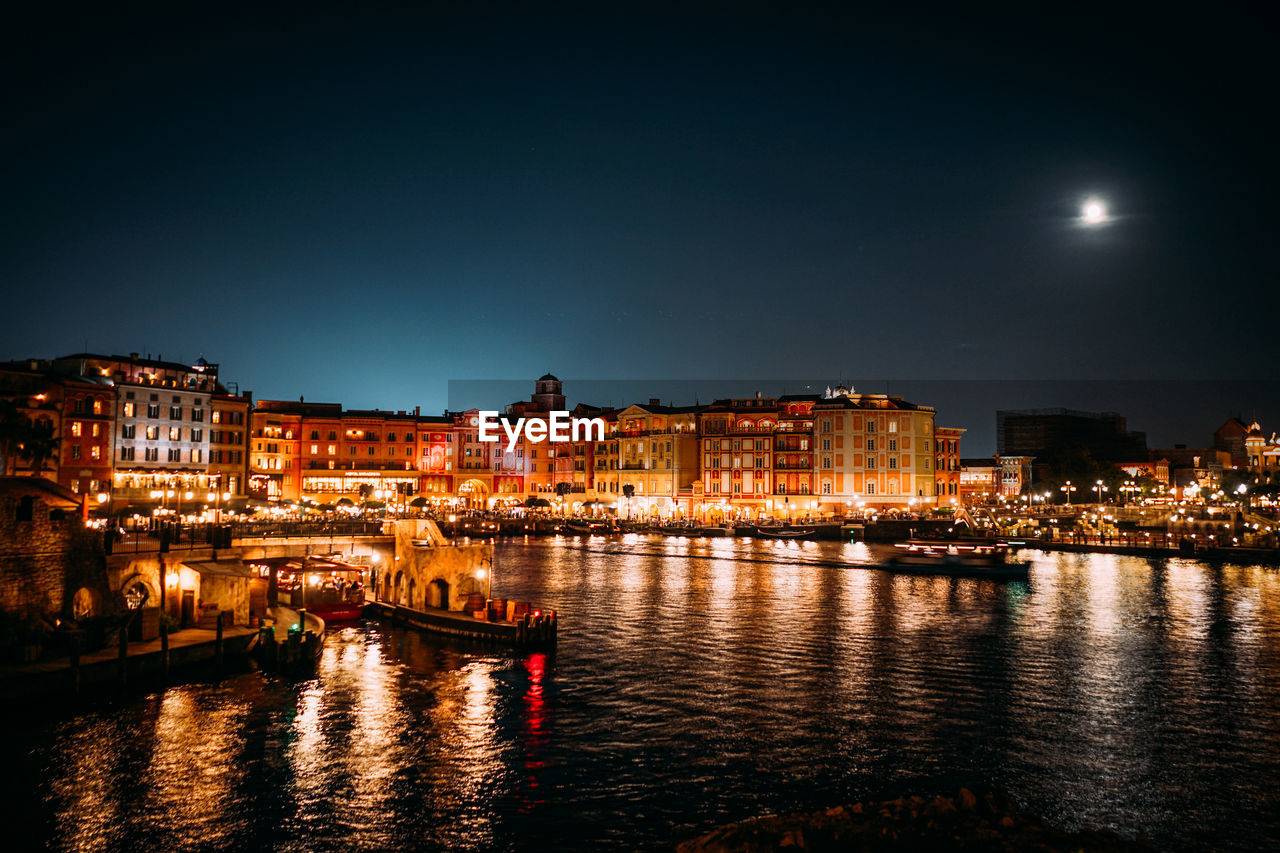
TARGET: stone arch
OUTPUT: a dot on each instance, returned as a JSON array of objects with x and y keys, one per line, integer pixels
[
  {"x": 398, "y": 592},
  {"x": 386, "y": 586},
  {"x": 438, "y": 594},
  {"x": 469, "y": 585},
  {"x": 138, "y": 591},
  {"x": 413, "y": 593}
]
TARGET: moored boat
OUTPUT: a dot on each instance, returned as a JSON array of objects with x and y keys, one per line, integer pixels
[
  {"x": 785, "y": 533},
  {"x": 962, "y": 561}
]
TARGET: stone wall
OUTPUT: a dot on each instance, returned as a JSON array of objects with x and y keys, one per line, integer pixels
[
  {"x": 420, "y": 576},
  {"x": 45, "y": 561}
]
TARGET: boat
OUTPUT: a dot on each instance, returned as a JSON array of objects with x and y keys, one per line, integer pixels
[
  {"x": 335, "y": 591},
  {"x": 597, "y": 528},
  {"x": 766, "y": 533},
  {"x": 960, "y": 561}
]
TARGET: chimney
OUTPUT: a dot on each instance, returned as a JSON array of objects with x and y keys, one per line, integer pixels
[
  {"x": 757, "y": 395},
  {"x": 133, "y": 356},
  {"x": 654, "y": 401}
]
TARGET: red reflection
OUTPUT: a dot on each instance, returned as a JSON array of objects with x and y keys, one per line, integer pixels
[{"x": 534, "y": 735}]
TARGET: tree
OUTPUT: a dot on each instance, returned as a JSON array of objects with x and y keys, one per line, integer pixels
[
  {"x": 13, "y": 425},
  {"x": 38, "y": 446},
  {"x": 628, "y": 491}
]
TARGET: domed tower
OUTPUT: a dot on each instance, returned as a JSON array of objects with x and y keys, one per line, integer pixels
[
  {"x": 1254, "y": 442},
  {"x": 548, "y": 394}
]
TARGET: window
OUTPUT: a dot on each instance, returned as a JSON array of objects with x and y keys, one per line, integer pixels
[
  {"x": 152, "y": 454},
  {"x": 175, "y": 413},
  {"x": 128, "y": 410},
  {"x": 216, "y": 417},
  {"x": 75, "y": 428},
  {"x": 126, "y": 454},
  {"x": 391, "y": 436},
  {"x": 893, "y": 462},
  {"x": 97, "y": 407},
  {"x": 871, "y": 444},
  {"x": 95, "y": 452},
  {"x": 826, "y": 444},
  {"x": 197, "y": 435},
  {"x": 333, "y": 435},
  {"x": 893, "y": 426},
  {"x": 871, "y": 426},
  {"x": 333, "y": 449},
  {"x": 197, "y": 414},
  {"x": 871, "y": 462},
  {"x": 128, "y": 430},
  {"x": 97, "y": 430},
  {"x": 826, "y": 487},
  {"x": 175, "y": 454},
  {"x": 175, "y": 433},
  {"x": 315, "y": 449},
  {"x": 197, "y": 455},
  {"x": 893, "y": 443},
  {"x": 153, "y": 433},
  {"x": 871, "y": 488},
  {"x": 153, "y": 410},
  {"x": 75, "y": 451}
]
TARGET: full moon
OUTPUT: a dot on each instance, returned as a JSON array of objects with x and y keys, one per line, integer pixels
[{"x": 1094, "y": 212}]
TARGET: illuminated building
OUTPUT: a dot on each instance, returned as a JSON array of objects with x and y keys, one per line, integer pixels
[
  {"x": 656, "y": 455},
  {"x": 872, "y": 450},
  {"x": 947, "y": 464},
  {"x": 160, "y": 447}
]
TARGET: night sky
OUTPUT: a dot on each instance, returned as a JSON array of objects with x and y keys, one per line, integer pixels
[{"x": 360, "y": 210}]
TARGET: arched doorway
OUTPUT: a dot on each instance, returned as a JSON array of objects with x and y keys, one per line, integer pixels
[
  {"x": 82, "y": 603},
  {"x": 413, "y": 592},
  {"x": 474, "y": 494},
  {"x": 398, "y": 597},
  {"x": 438, "y": 594}
]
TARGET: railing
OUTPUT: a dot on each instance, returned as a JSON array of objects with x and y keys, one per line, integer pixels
[
  {"x": 792, "y": 466},
  {"x": 165, "y": 537}
]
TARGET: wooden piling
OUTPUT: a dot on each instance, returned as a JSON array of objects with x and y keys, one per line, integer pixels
[
  {"x": 217, "y": 642},
  {"x": 123, "y": 659},
  {"x": 75, "y": 663},
  {"x": 164, "y": 645}
]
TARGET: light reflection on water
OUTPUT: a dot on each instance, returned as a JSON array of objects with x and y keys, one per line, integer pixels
[{"x": 700, "y": 682}]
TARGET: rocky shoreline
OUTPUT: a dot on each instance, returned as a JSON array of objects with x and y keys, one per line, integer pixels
[{"x": 966, "y": 821}]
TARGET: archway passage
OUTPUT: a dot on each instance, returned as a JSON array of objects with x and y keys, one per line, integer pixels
[
  {"x": 136, "y": 594},
  {"x": 413, "y": 593},
  {"x": 438, "y": 594},
  {"x": 399, "y": 588},
  {"x": 474, "y": 493}
]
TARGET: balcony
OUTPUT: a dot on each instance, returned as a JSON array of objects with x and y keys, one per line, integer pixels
[{"x": 793, "y": 466}]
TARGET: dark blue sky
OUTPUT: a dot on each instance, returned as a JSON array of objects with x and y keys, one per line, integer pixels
[{"x": 360, "y": 210}]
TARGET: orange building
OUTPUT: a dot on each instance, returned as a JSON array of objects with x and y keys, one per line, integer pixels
[{"x": 947, "y": 464}]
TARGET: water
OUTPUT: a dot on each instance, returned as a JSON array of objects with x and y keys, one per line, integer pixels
[{"x": 700, "y": 682}]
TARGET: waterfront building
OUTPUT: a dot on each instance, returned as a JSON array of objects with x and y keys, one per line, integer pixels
[
  {"x": 872, "y": 451},
  {"x": 72, "y": 421},
  {"x": 947, "y": 464},
  {"x": 229, "y": 424},
  {"x": 160, "y": 447},
  {"x": 979, "y": 480},
  {"x": 657, "y": 457}
]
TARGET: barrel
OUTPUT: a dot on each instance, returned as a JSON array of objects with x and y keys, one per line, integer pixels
[
  {"x": 520, "y": 609},
  {"x": 475, "y": 601},
  {"x": 497, "y": 610}
]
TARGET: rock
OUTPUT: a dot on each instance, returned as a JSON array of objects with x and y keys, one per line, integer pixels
[{"x": 967, "y": 800}]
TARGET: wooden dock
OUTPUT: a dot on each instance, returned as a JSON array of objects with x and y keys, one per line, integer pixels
[{"x": 530, "y": 631}]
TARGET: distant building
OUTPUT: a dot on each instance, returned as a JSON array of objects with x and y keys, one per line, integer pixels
[
  {"x": 1042, "y": 432},
  {"x": 1230, "y": 437},
  {"x": 1262, "y": 455}
]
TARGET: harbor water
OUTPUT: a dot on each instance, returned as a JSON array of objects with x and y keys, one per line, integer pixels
[{"x": 698, "y": 682}]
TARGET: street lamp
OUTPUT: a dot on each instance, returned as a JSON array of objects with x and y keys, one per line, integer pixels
[
  {"x": 1099, "y": 488},
  {"x": 1068, "y": 488}
]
